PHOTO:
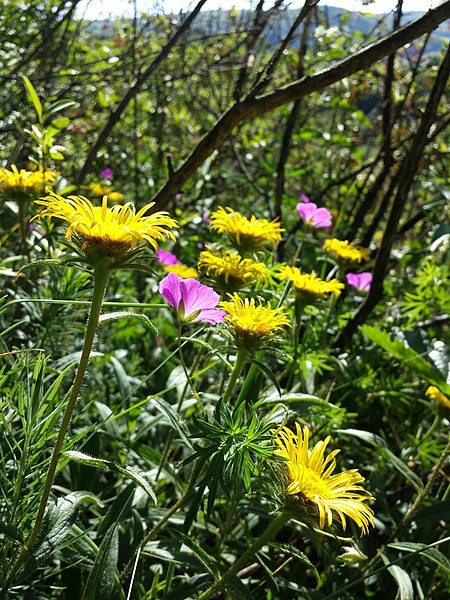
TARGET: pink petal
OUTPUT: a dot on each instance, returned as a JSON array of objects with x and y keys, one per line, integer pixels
[
  {"x": 306, "y": 211},
  {"x": 169, "y": 288},
  {"x": 197, "y": 296},
  {"x": 322, "y": 218}
]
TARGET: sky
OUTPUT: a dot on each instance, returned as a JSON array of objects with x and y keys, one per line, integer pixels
[{"x": 101, "y": 9}]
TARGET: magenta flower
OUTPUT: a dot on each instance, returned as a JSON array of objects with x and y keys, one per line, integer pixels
[
  {"x": 304, "y": 198},
  {"x": 167, "y": 259},
  {"x": 311, "y": 215},
  {"x": 107, "y": 173},
  {"x": 361, "y": 281},
  {"x": 192, "y": 300}
]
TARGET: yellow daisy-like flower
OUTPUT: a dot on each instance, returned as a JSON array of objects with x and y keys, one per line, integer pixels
[
  {"x": 108, "y": 232},
  {"x": 25, "y": 183},
  {"x": 100, "y": 189},
  {"x": 310, "y": 479},
  {"x": 182, "y": 271},
  {"x": 440, "y": 400},
  {"x": 346, "y": 251},
  {"x": 253, "y": 324},
  {"x": 308, "y": 286},
  {"x": 248, "y": 235},
  {"x": 230, "y": 270}
]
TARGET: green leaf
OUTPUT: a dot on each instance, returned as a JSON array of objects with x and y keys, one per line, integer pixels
[
  {"x": 295, "y": 552},
  {"x": 91, "y": 461},
  {"x": 403, "y": 580},
  {"x": 127, "y": 314},
  {"x": 408, "y": 356},
  {"x": 430, "y": 553},
  {"x": 59, "y": 105},
  {"x": 380, "y": 444},
  {"x": 99, "y": 585},
  {"x": 265, "y": 369},
  {"x": 174, "y": 420},
  {"x": 12, "y": 532},
  {"x": 32, "y": 95},
  {"x": 204, "y": 558}
]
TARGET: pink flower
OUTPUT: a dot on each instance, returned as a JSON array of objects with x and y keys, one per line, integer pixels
[
  {"x": 167, "y": 259},
  {"x": 107, "y": 173},
  {"x": 311, "y": 215},
  {"x": 304, "y": 198},
  {"x": 361, "y": 281},
  {"x": 192, "y": 300}
]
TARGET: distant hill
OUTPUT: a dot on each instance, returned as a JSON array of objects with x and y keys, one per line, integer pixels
[{"x": 223, "y": 21}]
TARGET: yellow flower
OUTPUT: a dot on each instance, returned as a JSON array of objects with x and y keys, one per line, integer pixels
[
  {"x": 230, "y": 270},
  {"x": 108, "y": 233},
  {"x": 310, "y": 287},
  {"x": 182, "y": 271},
  {"x": 100, "y": 189},
  {"x": 248, "y": 235},
  {"x": 440, "y": 400},
  {"x": 253, "y": 324},
  {"x": 310, "y": 479},
  {"x": 25, "y": 182},
  {"x": 346, "y": 251}
]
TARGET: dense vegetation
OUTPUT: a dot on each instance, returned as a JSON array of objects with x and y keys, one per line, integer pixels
[{"x": 165, "y": 368}]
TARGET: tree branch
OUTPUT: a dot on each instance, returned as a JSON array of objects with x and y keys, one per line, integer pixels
[{"x": 251, "y": 108}]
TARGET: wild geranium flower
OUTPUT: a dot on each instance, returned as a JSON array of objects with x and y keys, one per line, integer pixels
[
  {"x": 361, "y": 281},
  {"x": 253, "y": 324},
  {"x": 230, "y": 270},
  {"x": 313, "y": 216},
  {"x": 248, "y": 235},
  {"x": 107, "y": 173},
  {"x": 440, "y": 400},
  {"x": 346, "y": 251},
  {"x": 312, "y": 487},
  {"x": 166, "y": 259},
  {"x": 192, "y": 300},
  {"x": 101, "y": 189},
  {"x": 309, "y": 287},
  {"x": 108, "y": 233},
  {"x": 23, "y": 184}
]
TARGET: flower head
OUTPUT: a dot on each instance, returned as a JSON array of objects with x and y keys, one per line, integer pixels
[
  {"x": 253, "y": 324},
  {"x": 108, "y": 233},
  {"x": 313, "y": 216},
  {"x": 310, "y": 480},
  {"x": 182, "y": 271},
  {"x": 309, "y": 287},
  {"x": 100, "y": 189},
  {"x": 22, "y": 184},
  {"x": 440, "y": 400},
  {"x": 361, "y": 281},
  {"x": 166, "y": 259},
  {"x": 346, "y": 251},
  {"x": 230, "y": 270},
  {"x": 248, "y": 235},
  {"x": 107, "y": 173},
  {"x": 192, "y": 300}
]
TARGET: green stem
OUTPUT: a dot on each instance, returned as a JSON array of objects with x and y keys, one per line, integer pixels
[
  {"x": 266, "y": 537},
  {"x": 240, "y": 361},
  {"x": 100, "y": 283}
]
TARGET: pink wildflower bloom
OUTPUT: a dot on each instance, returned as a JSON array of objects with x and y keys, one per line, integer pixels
[
  {"x": 304, "y": 198},
  {"x": 311, "y": 215},
  {"x": 167, "y": 259},
  {"x": 192, "y": 300},
  {"x": 107, "y": 173},
  {"x": 361, "y": 281}
]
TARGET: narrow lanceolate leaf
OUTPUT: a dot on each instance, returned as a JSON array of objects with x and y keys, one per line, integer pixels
[
  {"x": 99, "y": 585},
  {"x": 128, "y": 472},
  {"x": 403, "y": 580},
  {"x": 32, "y": 95},
  {"x": 204, "y": 558},
  {"x": 128, "y": 315},
  {"x": 174, "y": 420},
  {"x": 421, "y": 367},
  {"x": 380, "y": 444},
  {"x": 429, "y": 553}
]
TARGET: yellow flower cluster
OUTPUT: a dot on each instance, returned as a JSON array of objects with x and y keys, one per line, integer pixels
[
  {"x": 441, "y": 401},
  {"x": 310, "y": 285},
  {"x": 248, "y": 235},
  {"x": 26, "y": 181},
  {"x": 310, "y": 478},
  {"x": 230, "y": 270},
  {"x": 346, "y": 251}
]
